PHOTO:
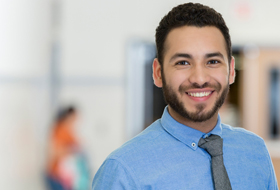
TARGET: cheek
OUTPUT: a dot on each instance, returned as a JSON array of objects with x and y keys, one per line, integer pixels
[
  {"x": 223, "y": 79},
  {"x": 222, "y": 74},
  {"x": 174, "y": 80}
]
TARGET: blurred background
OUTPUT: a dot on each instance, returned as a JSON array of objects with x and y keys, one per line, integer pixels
[{"x": 95, "y": 56}]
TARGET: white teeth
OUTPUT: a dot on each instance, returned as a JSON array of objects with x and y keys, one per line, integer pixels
[{"x": 199, "y": 94}]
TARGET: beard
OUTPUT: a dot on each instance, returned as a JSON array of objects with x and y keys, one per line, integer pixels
[{"x": 177, "y": 105}]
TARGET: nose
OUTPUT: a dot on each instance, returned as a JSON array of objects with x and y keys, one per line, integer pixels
[{"x": 199, "y": 76}]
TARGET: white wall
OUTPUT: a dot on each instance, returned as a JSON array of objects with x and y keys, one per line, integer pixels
[
  {"x": 24, "y": 68},
  {"x": 92, "y": 36}
]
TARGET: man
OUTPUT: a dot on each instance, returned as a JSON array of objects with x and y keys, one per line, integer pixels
[{"x": 183, "y": 149}]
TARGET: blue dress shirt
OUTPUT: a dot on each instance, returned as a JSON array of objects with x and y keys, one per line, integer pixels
[{"x": 165, "y": 156}]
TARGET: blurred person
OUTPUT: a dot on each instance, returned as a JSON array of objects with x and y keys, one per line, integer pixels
[
  {"x": 189, "y": 147},
  {"x": 67, "y": 167}
]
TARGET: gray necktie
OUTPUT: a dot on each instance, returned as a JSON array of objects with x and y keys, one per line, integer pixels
[{"x": 214, "y": 146}]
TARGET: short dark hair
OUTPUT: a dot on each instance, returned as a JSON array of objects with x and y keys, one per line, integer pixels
[
  {"x": 190, "y": 14},
  {"x": 65, "y": 112}
]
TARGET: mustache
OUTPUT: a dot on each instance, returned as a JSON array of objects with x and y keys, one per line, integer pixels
[{"x": 184, "y": 88}]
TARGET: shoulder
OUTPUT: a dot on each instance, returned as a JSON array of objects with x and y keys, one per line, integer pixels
[
  {"x": 243, "y": 138},
  {"x": 128, "y": 161},
  {"x": 121, "y": 164},
  {"x": 141, "y": 144},
  {"x": 241, "y": 143},
  {"x": 114, "y": 175},
  {"x": 229, "y": 130}
]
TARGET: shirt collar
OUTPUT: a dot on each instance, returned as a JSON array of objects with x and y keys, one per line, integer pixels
[{"x": 185, "y": 134}]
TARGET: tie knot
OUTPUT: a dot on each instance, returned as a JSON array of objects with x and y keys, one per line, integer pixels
[{"x": 212, "y": 144}]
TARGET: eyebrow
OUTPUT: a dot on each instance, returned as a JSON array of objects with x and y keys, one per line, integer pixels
[
  {"x": 216, "y": 54},
  {"x": 178, "y": 55},
  {"x": 186, "y": 55}
]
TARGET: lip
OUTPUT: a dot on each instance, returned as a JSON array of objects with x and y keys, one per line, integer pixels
[
  {"x": 200, "y": 90},
  {"x": 206, "y": 94}
]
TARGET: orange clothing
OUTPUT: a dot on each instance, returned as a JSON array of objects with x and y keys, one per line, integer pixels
[{"x": 63, "y": 143}]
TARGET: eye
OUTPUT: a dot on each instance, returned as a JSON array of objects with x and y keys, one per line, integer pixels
[
  {"x": 182, "y": 63},
  {"x": 213, "y": 62}
]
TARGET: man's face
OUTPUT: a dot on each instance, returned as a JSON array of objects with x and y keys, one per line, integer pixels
[{"x": 196, "y": 75}]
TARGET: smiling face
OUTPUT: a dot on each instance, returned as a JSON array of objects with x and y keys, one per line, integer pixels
[{"x": 195, "y": 77}]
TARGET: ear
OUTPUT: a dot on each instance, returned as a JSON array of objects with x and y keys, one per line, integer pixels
[
  {"x": 157, "y": 73},
  {"x": 232, "y": 71}
]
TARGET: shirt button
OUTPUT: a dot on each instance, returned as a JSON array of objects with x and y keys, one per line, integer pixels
[
  {"x": 193, "y": 144},
  {"x": 205, "y": 136}
]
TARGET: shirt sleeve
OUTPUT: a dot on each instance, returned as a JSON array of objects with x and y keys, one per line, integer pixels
[
  {"x": 272, "y": 183},
  {"x": 113, "y": 175}
]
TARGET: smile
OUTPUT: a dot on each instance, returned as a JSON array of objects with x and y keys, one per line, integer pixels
[{"x": 199, "y": 94}]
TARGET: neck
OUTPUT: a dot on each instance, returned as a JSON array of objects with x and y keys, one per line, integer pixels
[{"x": 205, "y": 126}]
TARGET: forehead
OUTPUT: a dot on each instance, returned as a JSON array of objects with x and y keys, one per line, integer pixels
[{"x": 197, "y": 41}]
